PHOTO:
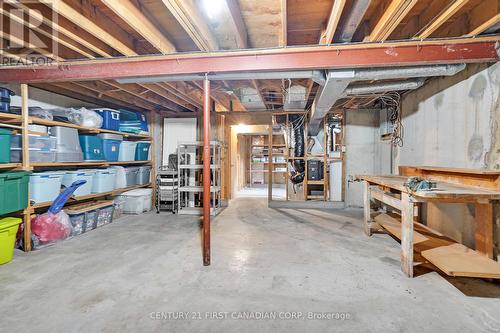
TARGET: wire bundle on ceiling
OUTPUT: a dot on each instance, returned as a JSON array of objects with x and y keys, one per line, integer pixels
[{"x": 392, "y": 101}]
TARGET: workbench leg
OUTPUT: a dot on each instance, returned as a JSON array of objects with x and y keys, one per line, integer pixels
[
  {"x": 484, "y": 229},
  {"x": 407, "y": 211},
  {"x": 367, "y": 208}
]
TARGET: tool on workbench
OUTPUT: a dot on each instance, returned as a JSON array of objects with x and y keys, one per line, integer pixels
[{"x": 414, "y": 184}]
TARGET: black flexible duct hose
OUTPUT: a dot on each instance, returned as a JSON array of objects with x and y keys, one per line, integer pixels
[{"x": 299, "y": 151}]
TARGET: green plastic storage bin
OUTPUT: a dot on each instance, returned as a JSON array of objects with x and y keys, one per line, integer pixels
[
  {"x": 5, "y": 138},
  {"x": 8, "y": 232},
  {"x": 13, "y": 191}
]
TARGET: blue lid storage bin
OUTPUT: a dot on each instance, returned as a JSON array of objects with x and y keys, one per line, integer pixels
[
  {"x": 110, "y": 118},
  {"x": 103, "y": 180},
  {"x": 45, "y": 186},
  {"x": 142, "y": 150},
  {"x": 127, "y": 151},
  {"x": 72, "y": 176},
  {"x": 111, "y": 145},
  {"x": 92, "y": 148},
  {"x": 5, "y": 99}
]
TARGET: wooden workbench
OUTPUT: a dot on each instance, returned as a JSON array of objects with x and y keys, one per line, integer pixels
[{"x": 391, "y": 191}]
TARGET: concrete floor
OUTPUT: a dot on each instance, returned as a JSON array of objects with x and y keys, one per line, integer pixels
[{"x": 124, "y": 276}]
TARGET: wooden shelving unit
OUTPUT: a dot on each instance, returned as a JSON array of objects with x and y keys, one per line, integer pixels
[
  {"x": 20, "y": 124},
  {"x": 268, "y": 159},
  {"x": 307, "y": 185}
]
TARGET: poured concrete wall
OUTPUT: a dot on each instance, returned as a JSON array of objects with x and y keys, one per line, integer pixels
[{"x": 453, "y": 122}]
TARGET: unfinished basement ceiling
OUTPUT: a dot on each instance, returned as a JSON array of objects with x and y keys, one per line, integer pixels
[{"x": 88, "y": 29}]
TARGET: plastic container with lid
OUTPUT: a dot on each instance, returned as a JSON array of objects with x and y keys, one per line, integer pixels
[
  {"x": 144, "y": 175},
  {"x": 45, "y": 186},
  {"x": 8, "y": 232},
  {"x": 111, "y": 145},
  {"x": 137, "y": 201},
  {"x": 71, "y": 176},
  {"x": 13, "y": 191},
  {"x": 67, "y": 144},
  {"x": 103, "y": 180},
  {"x": 127, "y": 151},
  {"x": 110, "y": 117},
  {"x": 5, "y": 99},
  {"x": 121, "y": 177},
  {"x": 131, "y": 176},
  {"x": 142, "y": 150},
  {"x": 5, "y": 141},
  {"x": 92, "y": 148}
]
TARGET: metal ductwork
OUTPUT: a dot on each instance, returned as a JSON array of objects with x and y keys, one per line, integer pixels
[
  {"x": 383, "y": 87},
  {"x": 315, "y": 75},
  {"x": 337, "y": 82}
]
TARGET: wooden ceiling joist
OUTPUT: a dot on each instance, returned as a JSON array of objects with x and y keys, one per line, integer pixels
[
  {"x": 485, "y": 26},
  {"x": 140, "y": 23},
  {"x": 333, "y": 22},
  {"x": 237, "y": 23},
  {"x": 391, "y": 18},
  {"x": 88, "y": 24},
  {"x": 283, "y": 38},
  {"x": 186, "y": 13},
  {"x": 444, "y": 16}
]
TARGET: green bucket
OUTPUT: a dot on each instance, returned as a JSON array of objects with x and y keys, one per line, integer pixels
[
  {"x": 5, "y": 137},
  {"x": 8, "y": 232},
  {"x": 13, "y": 191}
]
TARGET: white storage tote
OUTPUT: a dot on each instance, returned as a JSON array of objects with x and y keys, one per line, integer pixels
[
  {"x": 121, "y": 177},
  {"x": 45, "y": 186},
  {"x": 103, "y": 180},
  {"x": 137, "y": 201},
  {"x": 72, "y": 176},
  {"x": 127, "y": 151}
]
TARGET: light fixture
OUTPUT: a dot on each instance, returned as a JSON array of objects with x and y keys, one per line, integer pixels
[{"x": 213, "y": 8}]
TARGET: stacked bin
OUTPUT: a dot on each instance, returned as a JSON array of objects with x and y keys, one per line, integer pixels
[
  {"x": 142, "y": 151},
  {"x": 103, "y": 180},
  {"x": 67, "y": 144},
  {"x": 42, "y": 148},
  {"x": 127, "y": 151},
  {"x": 5, "y": 139},
  {"x": 111, "y": 145},
  {"x": 72, "y": 176},
  {"x": 13, "y": 191},
  {"x": 45, "y": 186},
  {"x": 92, "y": 148}
]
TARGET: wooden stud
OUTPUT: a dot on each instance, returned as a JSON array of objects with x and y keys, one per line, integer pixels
[
  {"x": 484, "y": 229},
  {"x": 367, "y": 220},
  {"x": 484, "y": 26},
  {"x": 26, "y": 162},
  {"x": 283, "y": 37},
  {"x": 407, "y": 212},
  {"x": 270, "y": 165}
]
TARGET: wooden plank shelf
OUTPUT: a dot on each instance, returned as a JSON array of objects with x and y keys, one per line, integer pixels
[
  {"x": 92, "y": 196},
  {"x": 10, "y": 166},
  {"x": 78, "y": 164},
  {"x": 46, "y": 122}
]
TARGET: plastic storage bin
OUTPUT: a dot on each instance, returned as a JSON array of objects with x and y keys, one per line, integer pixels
[
  {"x": 72, "y": 176},
  {"x": 110, "y": 118},
  {"x": 92, "y": 148},
  {"x": 121, "y": 177},
  {"x": 119, "y": 203},
  {"x": 45, "y": 186},
  {"x": 133, "y": 121},
  {"x": 90, "y": 215},
  {"x": 103, "y": 180},
  {"x": 5, "y": 141},
  {"x": 105, "y": 214},
  {"x": 137, "y": 201},
  {"x": 67, "y": 144},
  {"x": 5, "y": 99},
  {"x": 142, "y": 151},
  {"x": 144, "y": 175},
  {"x": 131, "y": 176},
  {"x": 42, "y": 148},
  {"x": 8, "y": 232},
  {"x": 13, "y": 191},
  {"x": 111, "y": 145},
  {"x": 127, "y": 151}
]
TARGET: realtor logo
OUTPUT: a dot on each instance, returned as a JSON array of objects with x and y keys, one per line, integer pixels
[{"x": 29, "y": 32}]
